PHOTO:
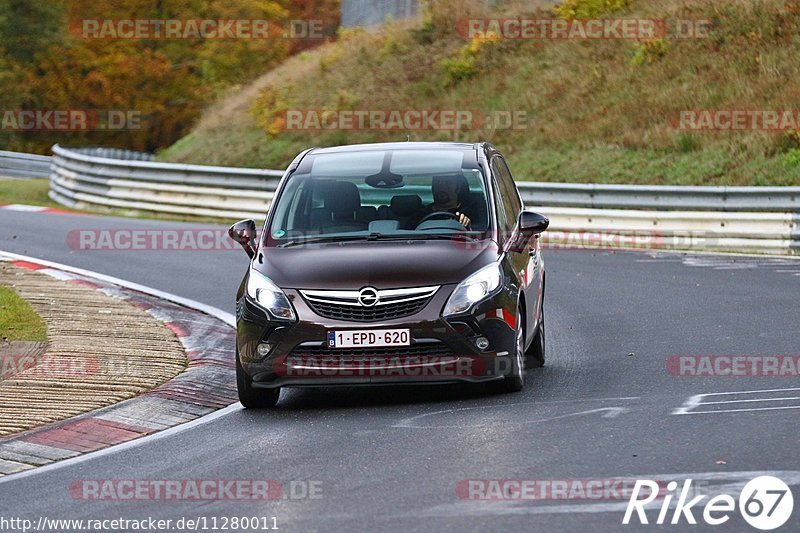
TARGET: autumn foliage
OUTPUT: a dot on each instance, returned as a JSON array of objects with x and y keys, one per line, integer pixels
[{"x": 47, "y": 64}]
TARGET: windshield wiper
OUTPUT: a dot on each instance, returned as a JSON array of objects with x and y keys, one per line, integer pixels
[
  {"x": 313, "y": 240},
  {"x": 445, "y": 236},
  {"x": 377, "y": 236}
]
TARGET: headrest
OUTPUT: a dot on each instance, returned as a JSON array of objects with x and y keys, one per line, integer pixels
[
  {"x": 463, "y": 184},
  {"x": 342, "y": 197},
  {"x": 406, "y": 204},
  {"x": 367, "y": 213}
]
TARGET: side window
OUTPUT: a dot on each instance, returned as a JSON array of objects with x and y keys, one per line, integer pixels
[
  {"x": 502, "y": 217},
  {"x": 508, "y": 189}
]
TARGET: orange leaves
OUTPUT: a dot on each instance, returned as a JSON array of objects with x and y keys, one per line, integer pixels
[{"x": 47, "y": 63}]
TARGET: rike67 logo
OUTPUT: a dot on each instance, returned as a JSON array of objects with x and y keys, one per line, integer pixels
[{"x": 765, "y": 503}]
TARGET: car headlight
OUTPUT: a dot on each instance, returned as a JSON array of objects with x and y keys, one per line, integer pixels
[
  {"x": 268, "y": 296},
  {"x": 474, "y": 289}
]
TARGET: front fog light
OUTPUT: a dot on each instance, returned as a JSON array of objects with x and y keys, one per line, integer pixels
[
  {"x": 264, "y": 349},
  {"x": 482, "y": 343}
]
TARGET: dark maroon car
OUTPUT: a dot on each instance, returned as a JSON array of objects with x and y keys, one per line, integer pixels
[{"x": 391, "y": 263}]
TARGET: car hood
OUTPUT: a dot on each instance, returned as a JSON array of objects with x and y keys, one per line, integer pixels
[{"x": 384, "y": 265}]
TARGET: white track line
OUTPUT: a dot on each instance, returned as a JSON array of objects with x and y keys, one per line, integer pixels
[
  {"x": 725, "y": 402},
  {"x": 749, "y": 391},
  {"x": 228, "y": 318},
  {"x": 411, "y": 422},
  {"x": 746, "y": 410},
  {"x": 698, "y": 401}
]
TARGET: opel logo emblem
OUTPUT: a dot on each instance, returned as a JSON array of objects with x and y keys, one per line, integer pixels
[{"x": 368, "y": 297}]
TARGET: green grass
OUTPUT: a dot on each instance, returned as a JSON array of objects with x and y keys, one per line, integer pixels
[
  {"x": 28, "y": 192},
  {"x": 18, "y": 321},
  {"x": 596, "y": 111}
]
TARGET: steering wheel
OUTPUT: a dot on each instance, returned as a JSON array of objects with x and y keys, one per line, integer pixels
[{"x": 438, "y": 214}]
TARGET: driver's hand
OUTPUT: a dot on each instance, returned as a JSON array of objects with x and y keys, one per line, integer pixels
[{"x": 463, "y": 219}]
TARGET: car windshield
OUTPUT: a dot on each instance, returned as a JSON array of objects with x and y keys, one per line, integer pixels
[{"x": 381, "y": 195}]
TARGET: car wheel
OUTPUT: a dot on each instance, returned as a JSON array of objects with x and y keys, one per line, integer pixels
[
  {"x": 252, "y": 398},
  {"x": 515, "y": 380},
  {"x": 535, "y": 354}
]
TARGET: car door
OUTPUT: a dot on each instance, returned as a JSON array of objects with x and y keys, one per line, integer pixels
[{"x": 527, "y": 262}]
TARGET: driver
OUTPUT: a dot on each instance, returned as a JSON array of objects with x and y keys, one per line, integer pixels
[{"x": 448, "y": 194}]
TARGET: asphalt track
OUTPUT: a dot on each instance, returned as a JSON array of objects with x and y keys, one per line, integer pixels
[{"x": 391, "y": 459}]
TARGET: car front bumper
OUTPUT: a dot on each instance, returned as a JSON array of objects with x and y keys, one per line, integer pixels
[{"x": 441, "y": 351}]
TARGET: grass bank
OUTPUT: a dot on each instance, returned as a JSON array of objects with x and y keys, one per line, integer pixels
[{"x": 595, "y": 111}]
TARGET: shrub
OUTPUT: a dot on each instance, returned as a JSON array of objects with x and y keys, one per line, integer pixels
[
  {"x": 648, "y": 51},
  {"x": 268, "y": 110},
  {"x": 792, "y": 158},
  {"x": 465, "y": 63},
  {"x": 687, "y": 143},
  {"x": 586, "y": 9},
  {"x": 787, "y": 142}
]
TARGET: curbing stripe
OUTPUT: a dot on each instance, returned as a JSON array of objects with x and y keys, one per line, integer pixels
[
  {"x": 225, "y": 317},
  {"x": 28, "y": 265},
  {"x": 121, "y": 447},
  {"x": 37, "y": 209},
  {"x": 11, "y": 467}
]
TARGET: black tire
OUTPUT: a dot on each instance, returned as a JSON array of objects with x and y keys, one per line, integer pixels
[
  {"x": 252, "y": 398},
  {"x": 515, "y": 380},
  {"x": 535, "y": 354}
]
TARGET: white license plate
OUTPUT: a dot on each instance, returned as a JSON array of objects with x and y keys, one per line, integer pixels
[{"x": 368, "y": 338}]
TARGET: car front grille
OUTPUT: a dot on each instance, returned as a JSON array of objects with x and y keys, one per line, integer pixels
[
  {"x": 392, "y": 303},
  {"x": 417, "y": 349}
]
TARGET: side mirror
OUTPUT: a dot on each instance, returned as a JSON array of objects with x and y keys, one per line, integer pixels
[
  {"x": 532, "y": 223},
  {"x": 529, "y": 224},
  {"x": 244, "y": 232}
]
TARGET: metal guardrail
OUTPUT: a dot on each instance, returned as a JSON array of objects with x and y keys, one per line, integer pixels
[
  {"x": 115, "y": 153},
  {"x": 764, "y": 219},
  {"x": 663, "y": 197},
  {"x": 80, "y": 177},
  {"x": 773, "y": 233},
  {"x": 20, "y": 165}
]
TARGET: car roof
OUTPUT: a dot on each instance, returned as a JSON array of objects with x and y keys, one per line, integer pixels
[{"x": 397, "y": 146}]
